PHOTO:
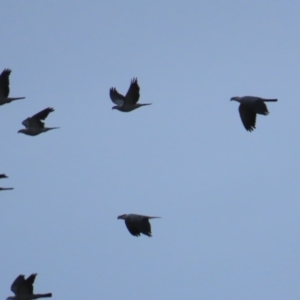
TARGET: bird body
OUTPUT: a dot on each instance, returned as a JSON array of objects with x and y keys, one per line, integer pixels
[
  {"x": 128, "y": 108},
  {"x": 129, "y": 102},
  {"x": 23, "y": 289},
  {"x": 34, "y": 125},
  {"x": 4, "y": 88},
  {"x": 36, "y": 131},
  {"x": 137, "y": 224},
  {"x": 249, "y": 107}
]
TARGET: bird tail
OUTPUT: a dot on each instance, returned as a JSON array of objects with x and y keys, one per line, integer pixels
[
  {"x": 37, "y": 296},
  {"x": 143, "y": 104},
  {"x": 50, "y": 128},
  {"x": 270, "y": 100},
  {"x": 6, "y": 189},
  {"x": 154, "y": 217},
  {"x": 16, "y": 98}
]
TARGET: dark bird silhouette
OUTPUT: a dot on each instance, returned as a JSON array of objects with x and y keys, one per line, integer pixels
[
  {"x": 23, "y": 289},
  {"x": 137, "y": 224},
  {"x": 4, "y": 88},
  {"x": 249, "y": 107},
  {"x": 34, "y": 125},
  {"x": 129, "y": 102}
]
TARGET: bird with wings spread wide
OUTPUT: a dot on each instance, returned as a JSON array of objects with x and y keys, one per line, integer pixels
[
  {"x": 34, "y": 125},
  {"x": 4, "y": 88},
  {"x": 137, "y": 224},
  {"x": 23, "y": 289},
  {"x": 249, "y": 107},
  {"x": 129, "y": 102}
]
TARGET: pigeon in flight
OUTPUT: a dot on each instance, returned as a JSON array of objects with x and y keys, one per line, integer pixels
[
  {"x": 23, "y": 289},
  {"x": 129, "y": 102},
  {"x": 4, "y": 189},
  {"x": 249, "y": 107},
  {"x": 137, "y": 224},
  {"x": 4, "y": 88},
  {"x": 34, "y": 125}
]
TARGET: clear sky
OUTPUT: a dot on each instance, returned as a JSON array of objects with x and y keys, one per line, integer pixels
[{"x": 229, "y": 199}]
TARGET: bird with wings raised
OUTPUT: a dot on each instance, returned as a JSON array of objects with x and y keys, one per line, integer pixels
[
  {"x": 34, "y": 125},
  {"x": 137, "y": 224},
  {"x": 129, "y": 102},
  {"x": 23, "y": 289},
  {"x": 4, "y": 88},
  {"x": 249, "y": 107}
]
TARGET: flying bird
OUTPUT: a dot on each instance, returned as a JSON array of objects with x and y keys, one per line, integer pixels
[
  {"x": 4, "y": 189},
  {"x": 137, "y": 224},
  {"x": 4, "y": 88},
  {"x": 34, "y": 125},
  {"x": 249, "y": 107},
  {"x": 23, "y": 289},
  {"x": 129, "y": 102}
]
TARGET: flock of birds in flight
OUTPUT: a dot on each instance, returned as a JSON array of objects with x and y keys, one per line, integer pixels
[{"x": 136, "y": 224}]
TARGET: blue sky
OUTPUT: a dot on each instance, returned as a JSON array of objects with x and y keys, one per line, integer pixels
[{"x": 228, "y": 198}]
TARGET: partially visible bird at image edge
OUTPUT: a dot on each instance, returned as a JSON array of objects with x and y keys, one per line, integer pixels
[
  {"x": 23, "y": 289},
  {"x": 4, "y": 189},
  {"x": 4, "y": 88}
]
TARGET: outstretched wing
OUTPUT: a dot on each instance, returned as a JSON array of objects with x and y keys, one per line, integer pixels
[
  {"x": 23, "y": 287},
  {"x": 35, "y": 121},
  {"x": 140, "y": 225},
  {"x": 17, "y": 283},
  {"x": 27, "y": 286},
  {"x": 248, "y": 117},
  {"x": 42, "y": 115},
  {"x": 132, "y": 228},
  {"x": 116, "y": 97},
  {"x": 145, "y": 227},
  {"x": 133, "y": 94},
  {"x": 4, "y": 83},
  {"x": 261, "y": 107}
]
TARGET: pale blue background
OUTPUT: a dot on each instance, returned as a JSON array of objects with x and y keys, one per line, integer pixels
[{"x": 229, "y": 199}]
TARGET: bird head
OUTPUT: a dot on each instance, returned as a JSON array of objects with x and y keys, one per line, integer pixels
[
  {"x": 21, "y": 131},
  {"x": 115, "y": 107},
  {"x": 236, "y": 98},
  {"x": 122, "y": 217}
]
